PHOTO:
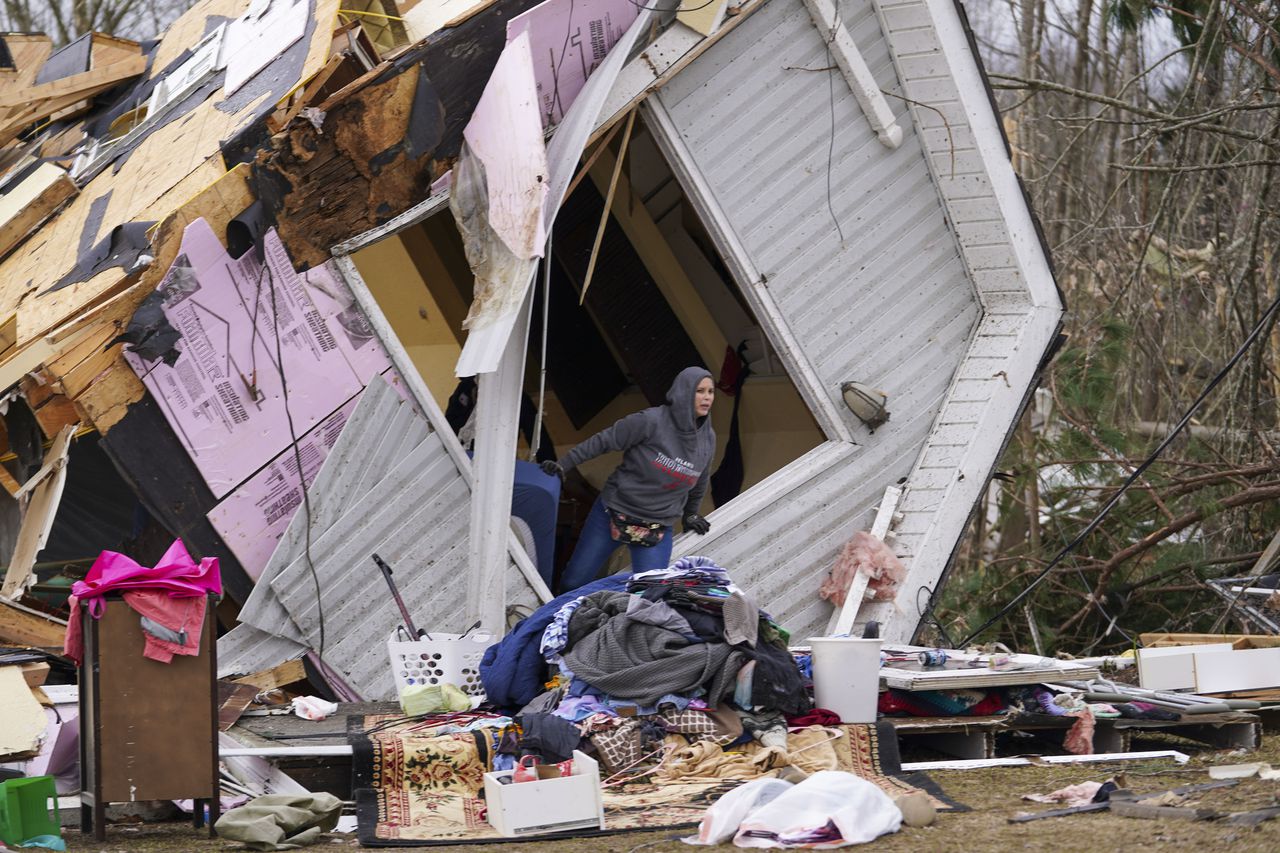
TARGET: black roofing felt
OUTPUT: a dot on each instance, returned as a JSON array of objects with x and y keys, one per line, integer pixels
[{"x": 68, "y": 60}]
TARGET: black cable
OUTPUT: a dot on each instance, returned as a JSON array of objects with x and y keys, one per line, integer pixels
[
  {"x": 1263, "y": 322},
  {"x": 677, "y": 9},
  {"x": 831, "y": 145},
  {"x": 297, "y": 457}
]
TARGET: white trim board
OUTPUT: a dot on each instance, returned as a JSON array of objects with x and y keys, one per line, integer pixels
[
  {"x": 978, "y": 763},
  {"x": 1239, "y": 669},
  {"x": 1172, "y": 667}
]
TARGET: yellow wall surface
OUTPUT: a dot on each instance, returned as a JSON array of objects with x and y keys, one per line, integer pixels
[{"x": 414, "y": 313}]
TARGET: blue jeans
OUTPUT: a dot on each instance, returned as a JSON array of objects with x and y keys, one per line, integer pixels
[{"x": 595, "y": 544}]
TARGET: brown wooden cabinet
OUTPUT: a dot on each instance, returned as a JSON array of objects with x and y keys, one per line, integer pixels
[{"x": 148, "y": 730}]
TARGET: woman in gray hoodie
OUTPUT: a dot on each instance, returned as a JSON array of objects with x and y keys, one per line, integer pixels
[{"x": 666, "y": 461}]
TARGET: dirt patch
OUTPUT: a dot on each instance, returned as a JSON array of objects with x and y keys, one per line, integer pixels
[{"x": 993, "y": 796}]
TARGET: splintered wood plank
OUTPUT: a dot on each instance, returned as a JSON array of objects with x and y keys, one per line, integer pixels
[
  {"x": 233, "y": 699},
  {"x": 57, "y": 412},
  {"x": 34, "y": 673},
  {"x": 22, "y": 626},
  {"x": 79, "y": 85},
  {"x": 289, "y": 672},
  {"x": 107, "y": 400},
  {"x": 25, "y": 207}
]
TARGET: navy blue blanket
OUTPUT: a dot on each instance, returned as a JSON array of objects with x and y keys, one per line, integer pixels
[{"x": 513, "y": 671}]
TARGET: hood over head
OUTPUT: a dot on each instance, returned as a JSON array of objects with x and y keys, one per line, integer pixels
[{"x": 680, "y": 397}]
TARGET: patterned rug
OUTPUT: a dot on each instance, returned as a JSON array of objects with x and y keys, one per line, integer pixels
[{"x": 417, "y": 787}]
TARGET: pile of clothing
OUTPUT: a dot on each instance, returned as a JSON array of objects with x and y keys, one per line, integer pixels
[{"x": 622, "y": 665}]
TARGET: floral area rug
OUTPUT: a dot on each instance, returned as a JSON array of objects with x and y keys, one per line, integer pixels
[{"x": 415, "y": 786}]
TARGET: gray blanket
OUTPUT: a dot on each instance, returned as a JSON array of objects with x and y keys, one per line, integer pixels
[{"x": 637, "y": 650}]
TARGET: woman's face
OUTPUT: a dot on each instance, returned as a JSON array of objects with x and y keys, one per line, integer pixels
[{"x": 703, "y": 396}]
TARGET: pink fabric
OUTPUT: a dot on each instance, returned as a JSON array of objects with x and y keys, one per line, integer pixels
[
  {"x": 176, "y": 573},
  {"x": 176, "y": 614},
  {"x": 175, "y": 576},
  {"x": 1079, "y": 739}
]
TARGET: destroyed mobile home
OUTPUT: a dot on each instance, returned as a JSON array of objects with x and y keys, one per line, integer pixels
[{"x": 264, "y": 277}]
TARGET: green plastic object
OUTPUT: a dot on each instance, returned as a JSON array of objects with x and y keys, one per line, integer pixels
[{"x": 24, "y": 809}]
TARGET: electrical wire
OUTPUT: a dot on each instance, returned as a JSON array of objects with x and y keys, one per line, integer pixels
[
  {"x": 1262, "y": 324},
  {"x": 680, "y": 8},
  {"x": 535, "y": 442},
  {"x": 297, "y": 459},
  {"x": 831, "y": 144}
]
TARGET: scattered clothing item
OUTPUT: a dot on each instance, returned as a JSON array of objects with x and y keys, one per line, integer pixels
[
  {"x": 816, "y": 717},
  {"x": 720, "y": 822},
  {"x": 419, "y": 699},
  {"x": 1072, "y": 795},
  {"x": 1079, "y": 739},
  {"x": 548, "y": 737},
  {"x": 175, "y": 573},
  {"x": 706, "y": 760},
  {"x": 281, "y": 821},
  {"x": 643, "y": 654},
  {"x": 513, "y": 671},
  {"x": 166, "y": 595},
  {"x": 941, "y": 703},
  {"x": 313, "y": 707},
  {"x": 831, "y": 808},
  {"x": 170, "y": 626},
  {"x": 776, "y": 682},
  {"x": 1146, "y": 711}
]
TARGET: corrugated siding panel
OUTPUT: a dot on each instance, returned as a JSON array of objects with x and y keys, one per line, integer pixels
[
  {"x": 890, "y": 304},
  {"x": 388, "y": 487}
]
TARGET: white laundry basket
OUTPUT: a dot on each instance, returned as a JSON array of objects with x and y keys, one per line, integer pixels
[{"x": 443, "y": 659}]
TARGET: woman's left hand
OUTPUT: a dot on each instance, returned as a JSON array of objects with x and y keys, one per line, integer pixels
[{"x": 697, "y": 524}]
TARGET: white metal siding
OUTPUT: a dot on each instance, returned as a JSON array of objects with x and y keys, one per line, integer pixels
[
  {"x": 890, "y": 305},
  {"x": 388, "y": 487},
  {"x": 998, "y": 243}
]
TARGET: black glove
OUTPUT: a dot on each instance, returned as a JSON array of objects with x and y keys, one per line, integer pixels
[
  {"x": 697, "y": 524},
  {"x": 552, "y": 468}
]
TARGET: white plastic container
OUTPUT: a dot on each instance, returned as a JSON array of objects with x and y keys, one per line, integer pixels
[
  {"x": 445, "y": 658},
  {"x": 548, "y": 805},
  {"x": 846, "y": 676}
]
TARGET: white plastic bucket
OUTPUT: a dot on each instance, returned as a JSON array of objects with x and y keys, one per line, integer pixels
[{"x": 846, "y": 676}]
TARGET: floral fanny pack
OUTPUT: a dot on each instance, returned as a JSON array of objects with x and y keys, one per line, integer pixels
[{"x": 634, "y": 531}]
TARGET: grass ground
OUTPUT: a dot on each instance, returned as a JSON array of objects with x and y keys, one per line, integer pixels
[{"x": 993, "y": 796}]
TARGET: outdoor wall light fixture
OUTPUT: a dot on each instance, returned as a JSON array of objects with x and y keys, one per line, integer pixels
[{"x": 866, "y": 402}]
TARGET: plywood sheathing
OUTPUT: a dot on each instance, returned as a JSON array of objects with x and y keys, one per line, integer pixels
[
  {"x": 29, "y": 51},
  {"x": 109, "y": 391},
  {"x": 18, "y": 110},
  {"x": 169, "y": 169}
]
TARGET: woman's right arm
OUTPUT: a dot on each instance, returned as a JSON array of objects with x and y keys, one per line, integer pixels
[{"x": 625, "y": 433}]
